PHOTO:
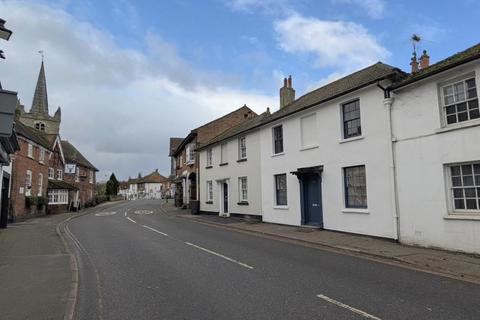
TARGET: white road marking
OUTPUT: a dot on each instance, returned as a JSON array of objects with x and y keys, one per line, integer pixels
[
  {"x": 131, "y": 220},
  {"x": 343, "y": 305},
  {"x": 125, "y": 213},
  {"x": 104, "y": 214},
  {"x": 155, "y": 230},
  {"x": 220, "y": 255}
]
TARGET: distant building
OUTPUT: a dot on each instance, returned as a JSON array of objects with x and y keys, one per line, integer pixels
[{"x": 152, "y": 186}]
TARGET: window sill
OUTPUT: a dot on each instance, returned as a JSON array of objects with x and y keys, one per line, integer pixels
[
  {"x": 458, "y": 126},
  {"x": 456, "y": 216},
  {"x": 242, "y": 203},
  {"x": 278, "y": 154},
  {"x": 242, "y": 160},
  {"x": 223, "y": 164},
  {"x": 355, "y": 210},
  {"x": 351, "y": 139},
  {"x": 208, "y": 202},
  {"x": 280, "y": 207},
  {"x": 208, "y": 167},
  {"x": 308, "y": 148}
]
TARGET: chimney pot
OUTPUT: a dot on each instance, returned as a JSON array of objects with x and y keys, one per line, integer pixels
[
  {"x": 285, "y": 82},
  {"x": 414, "y": 63},
  {"x": 287, "y": 93},
  {"x": 290, "y": 81},
  {"x": 424, "y": 60}
]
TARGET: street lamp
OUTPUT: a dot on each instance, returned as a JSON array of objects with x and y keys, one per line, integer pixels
[{"x": 4, "y": 32}]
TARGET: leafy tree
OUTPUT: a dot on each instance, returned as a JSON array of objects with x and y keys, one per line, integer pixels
[{"x": 112, "y": 186}]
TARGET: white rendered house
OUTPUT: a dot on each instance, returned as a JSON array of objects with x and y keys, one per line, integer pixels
[
  {"x": 230, "y": 176},
  {"x": 436, "y": 133}
]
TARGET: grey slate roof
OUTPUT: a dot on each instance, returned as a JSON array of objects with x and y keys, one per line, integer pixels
[
  {"x": 71, "y": 154},
  {"x": 60, "y": 185},
  {"x": 457, "y": 59},
  {"x": 352, "y": 82}
]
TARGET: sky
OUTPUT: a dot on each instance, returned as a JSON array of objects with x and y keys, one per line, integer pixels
[{"x": 130, "y": 74}]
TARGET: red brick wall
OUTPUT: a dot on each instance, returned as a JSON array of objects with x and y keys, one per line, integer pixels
[
  {"x": 87, "y": 189},
  {"x": 20, "y": 164},
  {"x": 214, "y": 128}
]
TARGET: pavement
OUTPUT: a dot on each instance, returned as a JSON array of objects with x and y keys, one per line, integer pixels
[
  {"x": 35, "y": 269},
  {"x": 454, "y": 264},
  {"x": 142, "y": 261}
]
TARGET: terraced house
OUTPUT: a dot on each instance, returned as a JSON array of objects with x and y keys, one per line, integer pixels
[
  {"x": 185, "y": 155},
  {"x": 380, "y": 152},
  {"x": 47, "y": 173}
]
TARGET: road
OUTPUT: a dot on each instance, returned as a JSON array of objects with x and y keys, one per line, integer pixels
[{"x": 137, "y": 262}]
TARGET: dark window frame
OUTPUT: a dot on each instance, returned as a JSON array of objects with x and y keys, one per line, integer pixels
[{"x": 351, "y": 119}]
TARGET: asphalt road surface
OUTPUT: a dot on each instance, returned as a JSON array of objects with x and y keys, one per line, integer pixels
[{"x": 137, "y": 262}]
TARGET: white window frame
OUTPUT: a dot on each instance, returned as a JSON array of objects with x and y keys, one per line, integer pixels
[
  {"x": 243, "y": 189},
  {"x": 40, "y": 184},
  {"x": 90, "y": 179},
  {"x": 209, "y": 157},
  {"x": 275, "y": 190},
  {"x": 242, "y": 148},
  {"x": 28, "y": 183},
  {"x": 209, "y": 190},
  {"x": 41, "y": 157},
  {"x": 30, "y": 151},
  {"x": 346, "y": 203},
  {"x": 190, "y": 153},
  {"x": 59, "y": 174},
  {"x": 463, "y": 79},
  {"x": 77, "y": 174},
  {"x": 450, "y": 189},
  {"x": 58, "y": 196},
  {"x": 273, "y": 140},
  {"x": 51, "y": 173}
]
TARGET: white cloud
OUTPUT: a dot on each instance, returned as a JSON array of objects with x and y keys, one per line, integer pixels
[
  {"x": 374, "y": 8},
  {"x": 119, "y": 106},
  {"x": 342, "y": 45}
]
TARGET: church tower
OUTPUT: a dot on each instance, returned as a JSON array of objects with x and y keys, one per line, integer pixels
[{"x": 38, "y": 117}]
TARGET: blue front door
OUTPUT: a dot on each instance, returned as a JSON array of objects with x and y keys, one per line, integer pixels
[{"x": 312, "y": 200}]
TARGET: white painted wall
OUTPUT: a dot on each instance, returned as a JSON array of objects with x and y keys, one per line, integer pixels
[
  {"x": 231, "y": 172},
  {"x": 334, "y": 154},
  {"x": 153, "y": 190},
  {"x": 422, "y": 149}
]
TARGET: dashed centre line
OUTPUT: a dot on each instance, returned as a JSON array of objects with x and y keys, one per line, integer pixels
[
  {"x": 346, "y": 306},
  {"x": 220, "y": 255},
  {"x": 155, "y": 230},
  {"x": 131, "y": 220}
]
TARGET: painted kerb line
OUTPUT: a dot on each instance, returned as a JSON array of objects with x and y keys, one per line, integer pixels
[
  {"x": 155, "y": 230},
  {"x": 131, "y": 220},
  {"x": 220, "y": 255},
  {"x": 343, "y": 305}
]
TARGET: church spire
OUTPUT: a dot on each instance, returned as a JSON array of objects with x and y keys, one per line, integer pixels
[{"x": 40, "y": 99}]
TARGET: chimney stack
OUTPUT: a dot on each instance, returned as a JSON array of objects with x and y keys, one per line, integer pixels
[
  {"x": 414, "y": 63},
  {"x": 424, "y": 60},
  {"x": 287, "y": 93}
]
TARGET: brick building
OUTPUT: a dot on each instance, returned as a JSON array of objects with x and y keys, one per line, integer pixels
[
  {"x": 46, "y": 169},
  {"x": 186, "y": 159}
]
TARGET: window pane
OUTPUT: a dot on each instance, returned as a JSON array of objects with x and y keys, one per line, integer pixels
[
  {"x": 451, "y": 119},
  {"x": 457, "y": 181},
  {"x": 472, "y": 93},
  {"x": 470, "y": 193},
  {"x": 461, "y": 107},
  {"x": 450, "y": 110},
  {"x": 466, "y": 169},
  {"x": 474, "y": 114},
  {"x": 455, "y": 170},
  {"x": 449, "y": 100},
  {"x": 462, "y": 116},
  {"x": 448, "y": 90},
  {"x": 476, "y": 168},
  {"x": 472, "y": 204},
  {"x": 458, "y": 193},
  {"x": 351, "y": 119},
  {"x": 470, "y": 83},
  {"x": 468, "y": 180},
  {"x": 459, "y": 204},
  {"x": 355, "y": 187}
]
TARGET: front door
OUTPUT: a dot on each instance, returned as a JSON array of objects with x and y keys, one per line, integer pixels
[
  {"x": 312, "y": 200},
  {"x": 225, "y": 197}
]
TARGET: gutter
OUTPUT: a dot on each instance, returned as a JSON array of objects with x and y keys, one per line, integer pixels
[{"x": 429, "y": 74}]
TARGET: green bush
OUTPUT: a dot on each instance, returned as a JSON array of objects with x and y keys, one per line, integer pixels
[
  {"x": 101, "y": 199},
  {"x": 41, "y": 201},
  {"x": 30, "y": 201}
]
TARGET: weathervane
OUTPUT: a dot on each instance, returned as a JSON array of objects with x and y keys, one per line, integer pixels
[
  {"x": 41, "y": 53},
  {"x": 415, "y": 39}
]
